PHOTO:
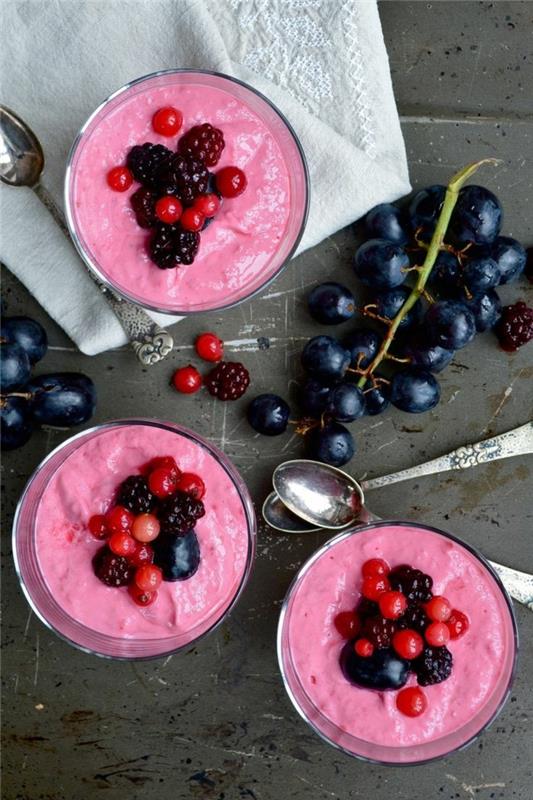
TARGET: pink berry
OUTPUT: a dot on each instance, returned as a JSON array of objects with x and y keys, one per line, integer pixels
[
  {"x": 140, "y": 596},
  {"x": 122, "y": 544},
  {"x": 209, "y": 347},
  {"x": 192, "y": 220},
  {"x": 458, "y": 624},
  {"x": 168, "y": 209},
  {"x": 167, "y": 121},
  {"x": 145, "y": 528},
  {"x": 207, "y": 204},
  {"x": 231, "y": 181},
  {"x": 162, "y": 482},
  {"x": 411, "y": 701},
  {"x": 438, "y": 608},
  {"x": 187, "y": 380},
  {"x": 119, "y": 518},
  {"x": 192, "y": 484},
  {"x": 148, "y": 578},
  {"x": 364, "y": 648},
  {"x": 375, "y": 566},
  {"x": 437, "y": 634},
  {"x": 119, "y": 179},
  {"x": 98, "y": 526}
]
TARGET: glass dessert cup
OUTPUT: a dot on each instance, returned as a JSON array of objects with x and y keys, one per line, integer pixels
[
  {"x": 331, "y": 730},
  {"x": 246, "y": 278},
  {"x": 33, "y": 579}
]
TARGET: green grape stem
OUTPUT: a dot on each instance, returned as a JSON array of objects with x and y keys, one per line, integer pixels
[{"x": 436, "y": 244}]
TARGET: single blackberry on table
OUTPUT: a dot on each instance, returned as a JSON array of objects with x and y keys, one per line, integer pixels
[
  {"x": 228, "y": 380},
  {"x": 379, "y": 631},
  {"x": 145, "y": 160},
  {"x": 171, "y": 246},
  {"x": 202, "y": 142},
  {"x": 433, "y": 666},
  {"x": 515, "y": 327},
  {"x": 143, "y": 203},
  {"x": 178, "y": 513},
  {"x": 111, "y": 569},
  {"x": 135, "y": 495},
  {"x": 414, "y": 618},
  {"x": 413, "y": 583},
  {"x": 184, "y": 177}
]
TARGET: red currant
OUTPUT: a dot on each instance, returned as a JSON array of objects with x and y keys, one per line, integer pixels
[
  {"x": 374, "y": 586},
  {"x": 458, "y": 624},
  {"x": 375, "y": 566},
  {"x": 207, "y": 204},
  {"x": 192, "y": 220},
  {"x": 392, "y": 604},
  {"x": 142, "y": 555},
  {"x": 408, "y": 643},
  {"x": 437, "y": 634},
  {"x": 209, "y": 347},
  {"x": 122, "y": 544},
  {"x": 162, "y": 482},
  {"x": 148, "y": 578},
  {"x": 438, "y": 608},
  {"x": 192, "y": 484},
  {"x": 119, "y": 518},
  {"x": 187, "y": 380},
  {"x": 162, "y": 461},
  {"x": 231, "y": 181},
  {"x": 98, "y": 526},
  {"x": 145, "y": 528},
  {"x": 167, "y": 121},
  {"x": 347, "y": 624},
  {"x": 119, "y": 179},
  {"x": 364, "y": 648},
  {"x": 411, "y": 701},
  {"x": 168, "y": 209},
  {"x": 140, "y": 596}
]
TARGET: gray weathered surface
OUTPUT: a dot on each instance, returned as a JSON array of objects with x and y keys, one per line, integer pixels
[{"x": 216, "y": 723}]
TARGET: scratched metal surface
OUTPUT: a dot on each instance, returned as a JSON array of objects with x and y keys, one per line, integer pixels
[{"x": 216, "y": 723}]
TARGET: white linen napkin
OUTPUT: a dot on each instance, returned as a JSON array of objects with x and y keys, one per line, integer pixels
[{"x": 322, "y": 62}]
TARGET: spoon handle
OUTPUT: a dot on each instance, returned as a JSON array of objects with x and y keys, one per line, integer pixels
[
  {"x": 513, "y": 443},
  {"x": 518, "y": 584},
  {"x": 150, "y": 342}
]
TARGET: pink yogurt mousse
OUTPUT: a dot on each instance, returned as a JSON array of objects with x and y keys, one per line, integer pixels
[
  {"x": 333, "y": 584},
  {"x": 237, "y": 248},
  {"x": 85, "y": 484}
]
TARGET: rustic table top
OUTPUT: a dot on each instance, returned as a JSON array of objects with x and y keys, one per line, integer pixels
[{"x": 216, "y": 722}]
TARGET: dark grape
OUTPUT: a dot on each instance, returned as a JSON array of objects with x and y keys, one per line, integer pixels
[
  {"x": 314, "y": 397},
  {"x": 268, "y": 414},
  {"x": 64, "y": 399},
  {"x": 28, "y": 333},
  {"x": 386, "y": 222},
  {"x": 15, "y": 422},
  {"x": 480, "y": 275},
  {"x": 389, "y": 303},
  {"x": 377, "y": 399},
  {"x": 381, "y": 264},
  {"x": 414, "y": 390},
  {"x": 361, "y": 342},
  {"x": 331, "y": 303},
  {"x": 487, "y": 310},
  {"x": 509, "y": 255},
  {"x": 424, "y": 210},
  {"x": 450, "y": 324},
  {"x": 15, "y": 367},
  {"x": 445, "y": 277},
  {"x": 324, "y": 358},
  {"x": 477, "y": 216},
  {"x": 432, "y": 358},
  {"x": 332, "y": 443},
  {"x": 346, "y": 402}
]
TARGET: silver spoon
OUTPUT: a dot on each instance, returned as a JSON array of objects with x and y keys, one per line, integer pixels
[{"x": 21, "y": 164}]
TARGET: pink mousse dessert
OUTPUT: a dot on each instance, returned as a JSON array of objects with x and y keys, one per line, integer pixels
[
  {"x": 249, "y": 237},
  {"x": 97, "y": 604},
  {"x": 402, "y": 671}
]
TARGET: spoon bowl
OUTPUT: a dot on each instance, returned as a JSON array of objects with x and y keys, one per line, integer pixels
[
  {"x": 277, "y": 515},
  {"x": 21, "y": 155}
]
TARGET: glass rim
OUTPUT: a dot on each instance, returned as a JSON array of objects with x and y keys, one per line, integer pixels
[
  {"x": 283, "y": 614},
  {"x": 95, "y": 269},
  {"x": 244, "y": 496}
]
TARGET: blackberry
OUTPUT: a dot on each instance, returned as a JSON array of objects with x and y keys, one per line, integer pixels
[
  {"x": 228, "y": 380},
  {"x": 380, "y": 631},
  {"x": 145, "y": 161},
  {"x": 135, "y": 495},
  {"x": 171, "y": 246},
  {"x": 515, "y": 327},
  {"x": 413, "y": 583},
  {"x": 414, "y": 618},
  {"x": 203, "y": 142},
  {"x": 182, "y": 176},
  {"x": 143, "y": 203},
  {"x": 179, "y": 513},
  {"x": 111, "y": 569},
  {"x": 433, "y": 666}
]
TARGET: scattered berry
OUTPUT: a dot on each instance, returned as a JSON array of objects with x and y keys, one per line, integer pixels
[
  {"x": 187, "y": 380},
  {"x": 167, "y": 121},
  {"x": 408, "y": 643},
  {"x": 231, "y": 181},
  {"x": 111, "y": 569},
  {"x": 140, "y": 596},
  {"x": 268, "y": 414},
  {"x": 375, "y": 566},
  {"x": 179, "y": 513},
  {"x": 144, "y": 554},
  {"x": 347, "y": 624},
  {"x": 122, "y": 543},
  {"x": 207, "y": 204},
  {"x": 363, "y": 648},
  {"x": 162, "y": 482},
  {"x": 437, "y": 634},
  {"x": 374, "y": 586},
  {"x": 135, "y": 495},
  {"x": 515, "y": 327},
  {"x": 228, "y": 380},
  {"x": 457, "y": 623},
  {"x": 209, "y": 347},
  {"x": 438, "y": 609},
  {"x": 392, "y": 604},
  {"x": 148, "y": 578},
  {"x": 191, "y": 484},
  {"x": 119, "y": 179},
  {"x": 169, "y": 209},
  {"x": 411, "y": 701},
  {"x": 433, "y": 666},
  {"x": 331, "y": 303},
  {"x": 192, "y": 220},
  {"x": 119, "y": 518},
  {"x": 145, "y": 528},
  {"x": 98, "y": 526},
  {"x": 204, "y": 143}
]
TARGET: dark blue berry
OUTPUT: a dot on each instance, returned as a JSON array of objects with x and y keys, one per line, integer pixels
[
  {"x": 429, "y": 357},
  {"x": 63, "y": 399},
  {"x": 177, "y": 556},
  {"x": 314, "y": 397},
  {"x": 386, "y": 222},
  {"x": 477, "y": 216},
  {"x": 362, "y": 344},
  {"x": 15, "y": 367},
  {"x": 445, "y": 276},
  {"x": 28, "y": 333},
  {"x": 487, "y": 310},
  {"x": 509, "y": 255},
  {"x": 423, "y": 210},
  {"x": 377, "y": 399},
  {"x": 450, "y": 324},
  {"x": 414, "y": 390},
  {"x": 268, "y": 414},
  {"x": 381, "y": 671},
  {"x": 346, "y": 402},
  {"x": 381, "y": 264},
  {"x": 331, "y": 303},
  {"x": 332, "y": 443},
  {"x": 389, "y": 303},
  {"x": 15, "y": 422},
  {"x": 324, "y": 358},
  {"x": 480, "y": 275}
]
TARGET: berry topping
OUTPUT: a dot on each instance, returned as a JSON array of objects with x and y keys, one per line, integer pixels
[
  {"x": 231, "y": 181},
  {"x": 179, "y": 513},
  {"x": 411, "y": 701},
  {"x": 228, "y": 380},
  {"x": 168, "y": 209},
  {"x": 207, "y": 204},
  {"x": 184, "y": 177},
  {"x": 119, "y": 179},
  {"x": 408, "y": 643},
  {"x": 203, "y": 142},
  {"x": 437, "y": 634},
  {"x": 392, "y": 604},
  {"x": 144, "y": 554},
  {"x": 119, "y": 518},
  {"x": 515, "y": 327},
  {"x": 192, "y": 220},
  {"x": 171, "y": 246},
  {"x": 366, "y": 608},
  {"x": 143, "y": 203},
  {"x": 380, "y": 631},
  {"x": 209, "y": 347},
  {"x": 135, "y": 495},
  {"x": 347, "y": 624},
  {"x": 162, "y": 482},
  {"x": 374, "y": 586},
  {"x": 433, "y": 666},
  {"x": 438, "y": 609},
  {"x": 413, "y": 583},
  {"x": 363, "y": 648},
  {"x": 187, "y": 380},
  {"x": 144, "y": 161},
  {"x": 111, "y": 569},
  {"x": 457, "y": 623},
  {"x": 168, "y": 462},
  {"x": 191, "y": 484},
  {"x": 141, "y": 597},
  {"x": 178, "y": 556},
  {"x": 122, "y": 543},
  {"x": 148, "y": 578},
  {"x": 382, "y": 670},
  {"x": 415, "y": 617},
  {"x": 167, "y": 121},
  {"x": 375, "y": 566},
  {"x": 145, "y": 528},
  {"x": 98, "y": 526}
]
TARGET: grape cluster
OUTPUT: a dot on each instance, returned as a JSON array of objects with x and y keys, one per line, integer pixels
[{"x": 61, "y": 399}]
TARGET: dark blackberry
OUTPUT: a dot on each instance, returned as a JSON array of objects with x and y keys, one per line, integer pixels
[
  {"x": 367, "y": 608},
  {"x": 171, "y": 246},
  {"x": 515, "y": 327},
  {"x": 143, "y": 203},
  {"x": 413, "y": 583},
  {"x": 135, "y": 495},
  {"x": 111, "y": 569},
  {"x": 228, "y": 380},
  {"x": 184, "y": 177},
  {"x": 379, "y": 630},
  {"x": 179, "y": 513},
  {"x": 433, "y": 666},
  {"x": 203, "y": 142},
  {"x": 145, "y": 161},
  {"x": 414, "y": 618}
]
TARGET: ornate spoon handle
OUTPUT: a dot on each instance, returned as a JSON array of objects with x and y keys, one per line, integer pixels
[
  {"x": 513, "y": 443},
  {"x": 150, "y": 342},
  {"x": 518, "y": 584}
]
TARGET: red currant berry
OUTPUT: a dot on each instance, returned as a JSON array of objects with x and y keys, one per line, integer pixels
[
  {"x": 192, "y": 484},
  {"x": 207, "y": 204},
  {"x": 374, "y": 587},
  {"x": 98, "y": 526},
  {"x": 119, "y": 179},
  {"x": 187, "y": 380},
  {"x": 167, "y": 121},
  {"x": 192, "y": 220},
  {"x": 411, "y": 701},
  {"x": 145, "y": 528},
  {"x": 364, "y": 648},
  {"x": 408, "y": 643},
  {"x": 375, "y": 566},
  {"x": 209, "y": 347},
  {"x": 392, "y": 604},
  {"x": 142, "y": 555},
  {"x": 167, "y": 462},
  {"x": 141, "y": 597},
  {"x": 122, "y": 544},
  {"x": 457, "y": 623},
  {"x": 148, "y": 578},
  {"x": 438, "y": 609},
  {"x": 437, "y": 634},
  {"x": 168, "y": 209},
  {"x": 231, "y": 181},
  {"x": 347, "y": 624},
  {"x": 119, "y": 518},
  {"x": 162, "y": 482}
]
